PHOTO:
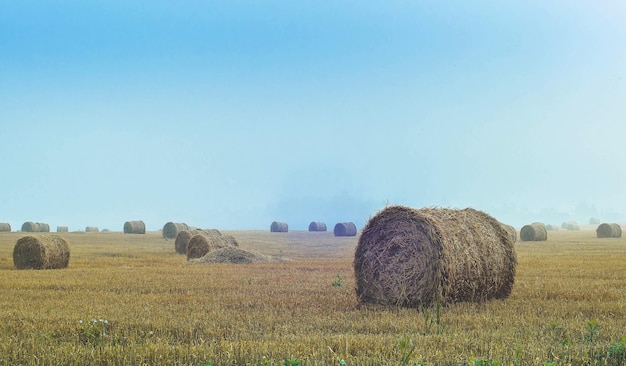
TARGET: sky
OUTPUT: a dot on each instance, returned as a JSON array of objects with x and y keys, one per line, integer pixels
[{"x": 233, "y": 114}]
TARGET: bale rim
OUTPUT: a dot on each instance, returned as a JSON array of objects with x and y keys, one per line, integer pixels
[
  {"x": 41, "y": 252},
  {"x": 414, "y": 258}
]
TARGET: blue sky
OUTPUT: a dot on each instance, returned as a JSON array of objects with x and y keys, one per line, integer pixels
[{"x": 233, "y": 114}]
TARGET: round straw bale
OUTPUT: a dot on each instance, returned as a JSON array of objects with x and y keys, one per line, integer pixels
[
  {"x": 202, "y": 243},
  {"x": 594, "y": 221},
  {"x": 91, "y": 229},
  {"x": 134, "y": 227},
  {"x": 564, "y": 225},
  {"x": 35, "y": 227},
  {"x": 62, "y": 229},
  {"x": 279, "y": 227},
  {"x": 533, "y": 232},
  {"x": 41, "y": 252},
  {"x": 4, "y": 226},
  {"x": 317, "y": 226},
  {"x": 422, "y": 257},
  {"x": 511, "y": 231},
  {"x": 182, "y": 239},
  {"x": 551, "y": 227},
  {"x": 345, "y": 229},
  {"x": 607, "y": 230},
  {"x": 573, "y": 227},
  {"x": 171, "y": 229}
]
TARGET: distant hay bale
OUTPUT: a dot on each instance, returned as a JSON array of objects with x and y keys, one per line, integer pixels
[
  {"x": 92, "y": 229},
  {"x": 62, "y": 229},
  {"x": 279, "y": 227},
  {"x": 317, "y": 226},
  {"x": 234, "y": 256},
  {"x": 607, "y": 230},
  {"x": 134, "y": 227},
  {"x": 566, "y": 223},
  {"x": 182, "y": 239},
  {"x": 551, "y": 227},
  {"x": 511, "y": 231},
  {"x": 171, "y": 229},
  {"x": 345, "y": 229},
  {"x": 205, "y": 241},
  {"x": 533, "y": 232},
  {"x": 35, "y": 227},
  {"x": 594, "y": 221},
  {"x": 41, "y": 252},
  {"x": 4, "y": 226},
  {"x": 422, "y": 257},
  {"x": 573, "y": 227}
]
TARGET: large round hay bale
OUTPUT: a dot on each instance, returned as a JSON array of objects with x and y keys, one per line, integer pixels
[
  {"x": 134, "y": 227},
  {"x": 594, "y": 221},
  {"x": 171, "y": 229},
  {"x": 35, "y": 227},
  {"x": 202, "y": 242},
  {"x": 422, "y": 257},
  {"x": 279, "y": 227},
  {"x": 345, "y": 229},
  {"x": 317, "y": 226},
  {"x": 564, "y": 225},
  {"x": 182, "y": 239},
  {"x": 41, "y": 252},
  {"x": 62, "y": 229},
  {"x": 573, "y": 227},
  {"x": 511, "y": 231},
  {"x": 551, "y": 227},
  {"x": 5, "y": 226},
  {"x": 92, "y": 229},
  {"x": 607, "y": 230},
  {"x": 533, "y": 232}
]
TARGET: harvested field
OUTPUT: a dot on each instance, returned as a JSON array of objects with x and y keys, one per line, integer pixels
[{"x": 159, "y": 310}]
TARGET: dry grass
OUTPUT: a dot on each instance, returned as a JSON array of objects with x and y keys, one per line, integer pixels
[{"x": 566, "y": 307}]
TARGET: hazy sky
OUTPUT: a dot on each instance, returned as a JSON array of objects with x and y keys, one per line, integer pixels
[{"x": 233, "y": 114}]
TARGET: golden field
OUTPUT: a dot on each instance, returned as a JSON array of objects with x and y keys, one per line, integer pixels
[{"x": 131, "y": 300}]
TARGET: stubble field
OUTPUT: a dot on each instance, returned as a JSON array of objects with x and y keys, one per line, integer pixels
[{"x": 131, "y": 300}]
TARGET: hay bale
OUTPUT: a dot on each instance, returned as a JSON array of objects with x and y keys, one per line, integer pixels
[
  {"x": 134, "y": 227},
  {"x": 62, "y": 229},
  {"x": 182, "y": 239},
  {"x": 533, "y": 232},
  {"x": 171, "y": 229},
  {"x": 91, "y": 229},
  {"x": 607, "y": 230},
  {"x": 345, "y": 229},
  {"x": 511, "y": 231},
  {"x": 234, "y": 256},
  {"x": 317, "y": 226},
  {"x": 551, "y": 227},
  {"x": 205, "y": 241},
  {"x": 414, "y": 258},
  {"x": 573, "y": 227},
  {"x": 5, "y": 226},
  {"x": 279, "y": 227},
  {"x": 35, "y": 227},
  {"x": 41, "y": 252},
  {"x": 594, "y": 221},
  {"x": 566, "y": 223}
]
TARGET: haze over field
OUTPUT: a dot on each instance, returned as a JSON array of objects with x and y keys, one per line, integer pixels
[{"x": 232, "y": 114}]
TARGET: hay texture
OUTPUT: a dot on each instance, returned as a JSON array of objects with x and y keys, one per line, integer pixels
[
  {"x": 4, "y": 226},
  {"x": 511, "y": 231},
  {"x": 317, "y": 226},
  {"x": 423, "y": 257},
  {"x": 533, "y": 232},
  {"x": 234, "y": 256},
  {"x": 279, "y": 227},
  {"x": 62, "y": 229},
  {"x": 345, "y": 229},
  {"x": 92, "y": 229},
  {"x": 204, "y": 241},
  {"x": 134, "y": 227},
  {"x": 35, "y": 227},
  {"x": 171, "y": 229},
  {"x": 606, "y": 230},
  {"x": 41, "y": 252}
]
